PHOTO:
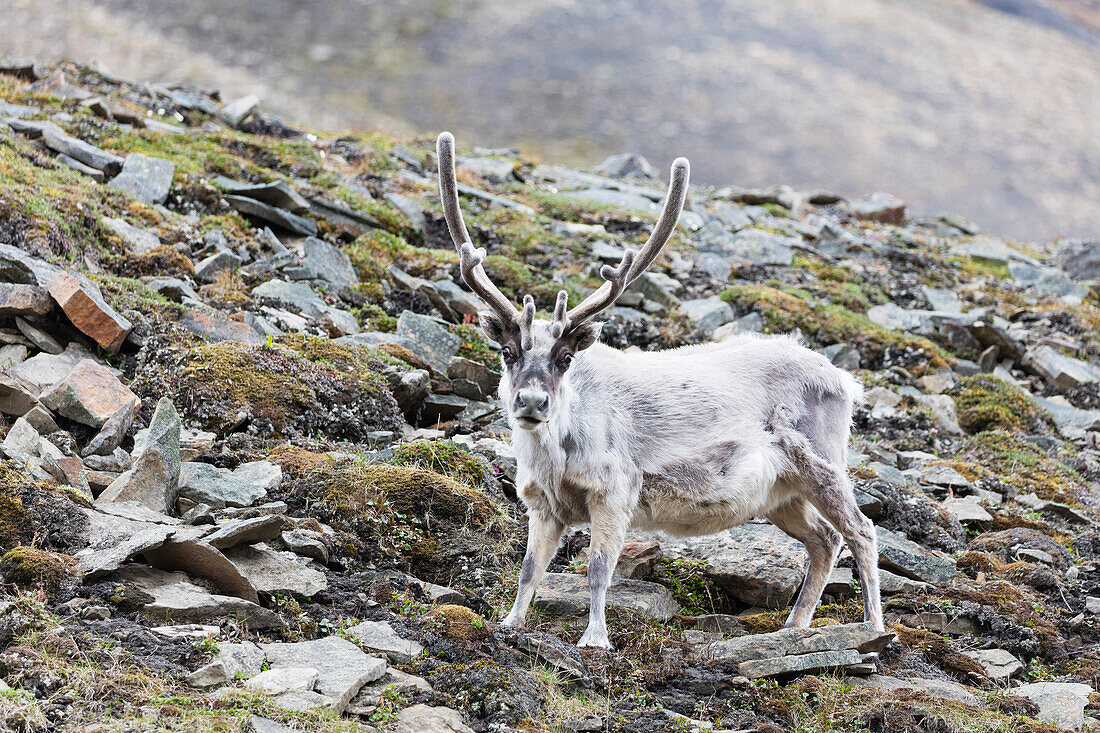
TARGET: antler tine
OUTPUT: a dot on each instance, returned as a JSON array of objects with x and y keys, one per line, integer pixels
[
  {"x": 470, "y": 257},
  {"x": 526, "y": 320},
  {"x": 631, "y": 266},
  {"x": 561, "y": 320}
]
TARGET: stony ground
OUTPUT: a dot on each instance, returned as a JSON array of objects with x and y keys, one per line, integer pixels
[{"x": 255, "y": 477}]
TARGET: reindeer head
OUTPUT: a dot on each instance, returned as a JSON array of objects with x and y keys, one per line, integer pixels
[{"x": 537, "y": 355}]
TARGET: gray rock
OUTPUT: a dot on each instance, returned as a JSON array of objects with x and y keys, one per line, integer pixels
[
  {"x": 154, "y": 479},
  {"x": 988, "y": 249},
  {"x": 200, "y": 560},
  {"x": 944, "y": 476},
  {"x": 936, "y": 688},
  {"x": 265, "y": 725},
  {"x": 1060, "y": 703},
  {"x": 145, "y": 178},
  {"x": 902, "y": 555},
  {"x": 967, "y": 509},
  {"x": 279, "y": 194},
  {"x": 754, "y": 246},
  {"x": 172, "y": 288},
  {"x": 459, "y": 301},
  {"x": 1079, "y": 258},
  {"x": 272, "y": 215},
  {"x": 79, "y": 150},
  {"x": 207, "y": 269},
  {"x": 322, "y": 261},
  {"x": 430, "y": 339},
  {"x": 707, "y": 313},
  {"x": 410, "y": 208},
  {"x": 627, "y": 165},
  {"x": 343, "y": 668},
  {"x": 567, "y": 594},
  {"x": 1047, "y": 280},
  {"x": 485, "y": 379},
  {"x": 114, "y": 540},
  {"x": 277, "y": 572},
  {"x": 284, "y": 679},
  {"x": 21, "y": 441},
  {"x": 493, "y": 170},
  {"x": 999, "y": 664},
  {"x": 176, "y": 598},
  {"x": 265, "y": 474},
  {"x": 618, "y": 199},
  {"x": 1073, "y": 422},
  {"x": 110, "y": 435},
  {"x": 438, "y": 408},
  {"x": 1061, "y": 371},
  {"x": 657, "y": 287},
  {"x": 203, "y": 483},
  {"x": 942, "y": 300},
  {"x": 306, "y": 543},
  {"x": 379, "y": 636},
  {"x": 215, "y": 326},
  {"x": 238, "y": 110},
  {"x": 422, "y": 718},
  {"x": 394, "y": 681},
  {"x": 233, "y": 532},
  {"x": 714, "y": 265},
  {"x": 799, "y": 650},
  {"x": 38, "y": 337},
  {"x": 243, "y": 659},
  {"x": 756, "y": 563},
  {"x": 19, "y": 299},
  {"x": 298, "y": 295},
  {"x": 12, "y": 354},
  {"x": 881, "y": 207}
]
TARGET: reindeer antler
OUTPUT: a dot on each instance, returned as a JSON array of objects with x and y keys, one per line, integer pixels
[
  {"x": 470, "y": 257},
  {"x": 632, "y": 264}
]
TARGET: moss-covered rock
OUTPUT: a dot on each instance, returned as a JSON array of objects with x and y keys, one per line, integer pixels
[
  {"x": 32, "y": 569},
  {"x": 1022, "y": 465},
  {"x": 984, "y": 402},
  {"x": 459, "y": 622},
  {"x": 488, "y": 691},
  {"x": 441, "y": 457}
]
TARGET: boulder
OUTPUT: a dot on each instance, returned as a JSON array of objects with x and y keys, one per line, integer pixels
[
  {"x": 422, "y": 718},
  {"x": 881, "y": 207},
  {"x": 276, "y": 571},
  {"x": 322, "y": 261},
  {"x": 144, "y": 177},
  {"x": 42, "y": 371},
  {"x": 342, "y": 667},
  {"x": 79, "y": 150},
  {"x": 941, "y": 688},
  {"x": 1060, "y": 703},
  {"x": 1059, "y": 370},
  {"x": 567, "y": 594},
  {"x": 89, "y": 312},
  {"x": 199, "y": 559},
  {"x": 967, "y": 509},
  {"x": 208, "y": 268},
  {"x": 273, "y": 215},
  {"x": 1000, "y": 665},
  {"x": 379, "y": 636},
  {"x": 89, "y": 394},
  {"x": 429, "y": 339},
  {"x": 900, "y": 554},
  {"x": 1079, "y": 258},
  {"x": 233, "y": 532},
  {"x": 114, "y": 540},
  {"x": 278, "y": 193},
  {"x": 707, "y": 314},
  {"x": 265, "y": 474},
  {"x": 176, "y": 598},
  {"x": 112, "y": 432},
  {"x": 753, "y": 246},
  {"x": 203, "y": 483},
  {"x": 154, "y": 479},
  {"x": 756, "y": 563},
  {"x": 15, "y": 399},
  {"x": 284, "y": 679},
  {"x": 213, "y": 325}
]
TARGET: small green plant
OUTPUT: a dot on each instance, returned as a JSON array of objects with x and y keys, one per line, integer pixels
[{"x": 389, "y": 705}]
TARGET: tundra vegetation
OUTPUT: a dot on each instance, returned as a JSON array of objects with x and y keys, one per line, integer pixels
[{"x": 255, "y": 471}]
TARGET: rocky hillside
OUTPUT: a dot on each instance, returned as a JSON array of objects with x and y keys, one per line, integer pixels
[{"x": 255, "y": 477}]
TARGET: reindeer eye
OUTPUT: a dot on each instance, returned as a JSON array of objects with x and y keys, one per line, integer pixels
[
  {"x": 506, "y": 354},
  {"x": 565, "y": 361}
]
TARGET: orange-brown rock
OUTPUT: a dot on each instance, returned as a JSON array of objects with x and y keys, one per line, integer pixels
[{"x": 86, "y": 309}]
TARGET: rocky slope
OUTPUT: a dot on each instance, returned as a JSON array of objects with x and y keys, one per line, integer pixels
[{"x": 255, "y": 477}]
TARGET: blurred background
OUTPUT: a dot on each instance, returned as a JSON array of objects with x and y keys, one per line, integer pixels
[{"x": 990, "y": 109}]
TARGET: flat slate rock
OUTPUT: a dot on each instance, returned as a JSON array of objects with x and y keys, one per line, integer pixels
[
  {"x": 276, "y": 571},
  {"x": 233, "y": 532},
  {"x": 144, "y": 177},
  {"x": 204, "y": 483},
  {"x": 901, "y": 555},
  {"x": 176, "y": 598},
  {"x": 343, "y": 668},
  {"x": 88, "y": 311},
  {"x": 201, "y": 560},
  {"x": 379, "y": 636},
  {"x": 1060, "y": 703},
  {"x": 567, "y": 594},
  {"x": 792, "y": 642},
  {"x": 431, "y": 340},
  {"x": 273, "y": 215}
]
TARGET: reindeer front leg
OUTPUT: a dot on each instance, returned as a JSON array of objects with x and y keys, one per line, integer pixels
[
  {"x": 543, "y": 534},
  {"x": 609, "y": 522}
]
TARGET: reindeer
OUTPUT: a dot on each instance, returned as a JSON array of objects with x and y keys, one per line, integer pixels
[{"x": 689, "y": 441}]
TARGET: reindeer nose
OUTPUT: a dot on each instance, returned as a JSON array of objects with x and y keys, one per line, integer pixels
[{"x": 532, "y": 402}]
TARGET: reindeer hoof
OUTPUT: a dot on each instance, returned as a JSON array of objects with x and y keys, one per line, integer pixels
[{"x": 595, "y": 642}]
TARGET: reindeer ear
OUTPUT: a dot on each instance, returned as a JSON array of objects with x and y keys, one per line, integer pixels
[
  {"x": 585, "y": 335},
  {"x": 495, "y": 327}
]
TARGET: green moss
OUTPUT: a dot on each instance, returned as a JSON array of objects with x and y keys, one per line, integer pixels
[
  {"x": 565, "y": 208},
  {"x": 777, "y": 210},
  {"x": 29, "y": 569},
  {"x": 413, "y": 492},
  {"x": 513, "y": 278},
  {"x": 376, "y": 250},
  {"x": 297, "y": 386},
  {"x": 442, "y": 457},
  {"x": 788, "y": 309},
  {"x": 475, "y": 346},
  {"x": 1023, "y": 465},
  {"x": 984, "y": 402},
  {"x": 459, "y": 622},
  {"x": 688, "y": 582},
  {"x": 124, "y": 293},
  {"x": 13, "y": 516}
]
